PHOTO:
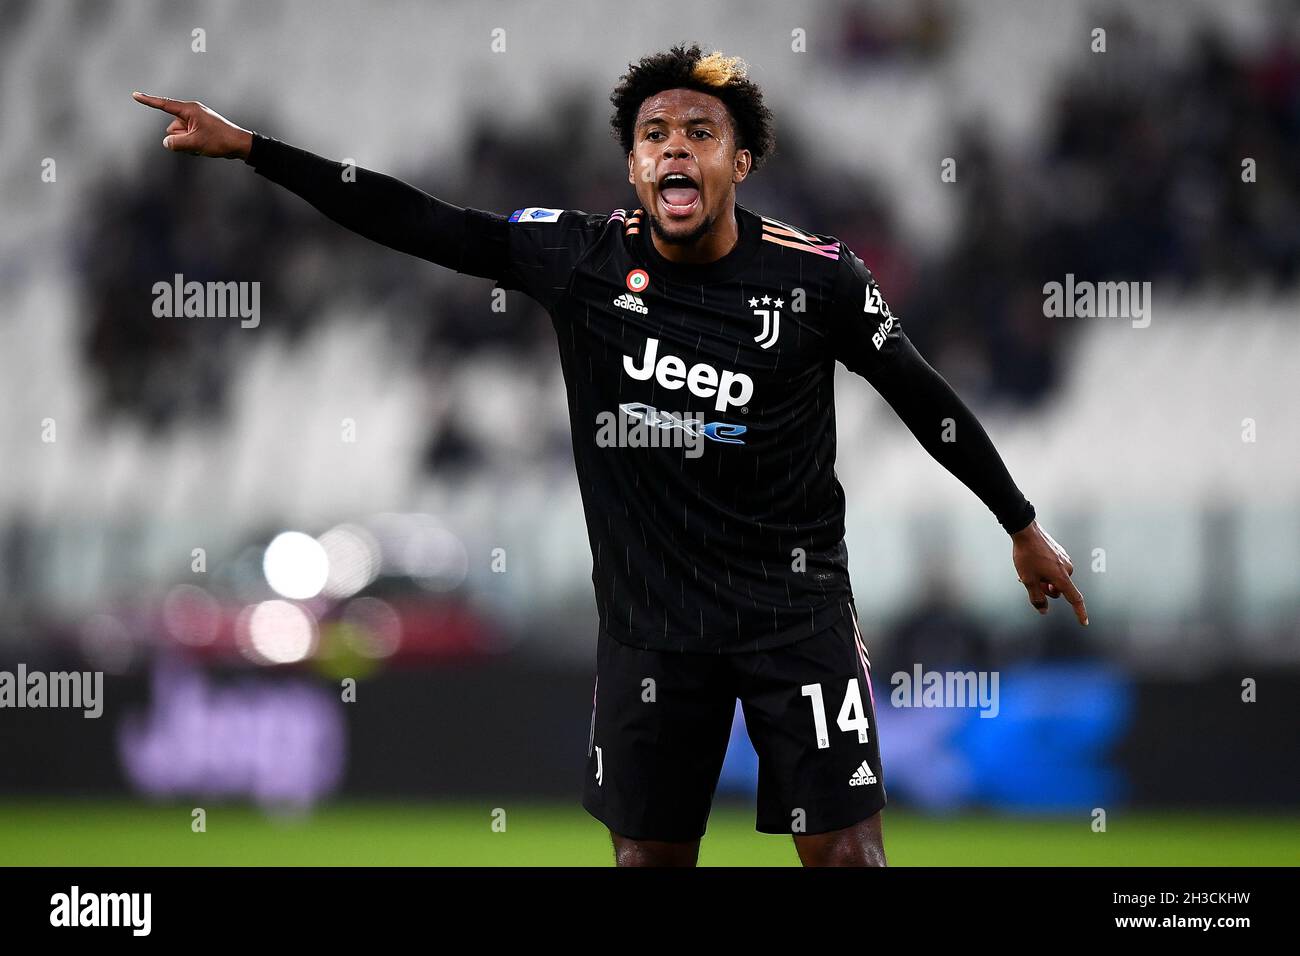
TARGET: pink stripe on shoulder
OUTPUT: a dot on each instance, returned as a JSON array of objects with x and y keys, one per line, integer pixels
[
  {"x": 774, "y": 230},
  {"x": 804, "y": 247}
]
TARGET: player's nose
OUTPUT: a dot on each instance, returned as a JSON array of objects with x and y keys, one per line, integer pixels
[{"x": 676, "y": 149}]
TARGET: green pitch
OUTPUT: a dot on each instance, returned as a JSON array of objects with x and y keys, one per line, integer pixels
[{"x": 68, "y": 833}]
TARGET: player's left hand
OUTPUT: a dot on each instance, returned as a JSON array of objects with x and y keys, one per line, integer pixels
[{"x": 1044, "y": 569}]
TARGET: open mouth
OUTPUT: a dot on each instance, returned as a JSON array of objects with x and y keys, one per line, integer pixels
[{"x": 679, "y": 195}]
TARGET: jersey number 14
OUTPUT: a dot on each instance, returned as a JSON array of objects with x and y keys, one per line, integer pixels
[{"x": 852, "y": 716}]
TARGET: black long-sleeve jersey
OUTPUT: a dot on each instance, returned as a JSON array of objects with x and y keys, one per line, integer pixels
[{"x": 700, "y": 397}]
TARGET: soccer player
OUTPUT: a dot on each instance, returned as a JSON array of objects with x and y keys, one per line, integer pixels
[{"x": 698, "y": 340}]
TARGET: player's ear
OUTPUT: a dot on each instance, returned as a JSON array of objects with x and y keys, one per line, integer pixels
[
  {"x": 631, "y": 168},
  {"x": 741, "y": 165}
]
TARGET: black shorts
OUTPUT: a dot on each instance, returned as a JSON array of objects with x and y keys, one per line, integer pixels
[{"x": 661, "y": 721}]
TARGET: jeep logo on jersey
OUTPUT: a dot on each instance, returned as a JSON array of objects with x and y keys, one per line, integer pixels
[
  {"x": 731, "y": 388},
  {"x": 638, "y": 280}
]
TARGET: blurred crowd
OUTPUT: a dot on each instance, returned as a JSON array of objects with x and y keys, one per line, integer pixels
[{"x": 1140, "y": 177}]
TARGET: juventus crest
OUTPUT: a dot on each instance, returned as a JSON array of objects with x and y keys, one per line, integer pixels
[{"x": 771, "y": 318}]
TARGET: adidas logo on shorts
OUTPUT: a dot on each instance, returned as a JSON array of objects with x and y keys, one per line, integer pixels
[
  {"x": 863, "y": 776},
  {"x": 632, "y": 303}
]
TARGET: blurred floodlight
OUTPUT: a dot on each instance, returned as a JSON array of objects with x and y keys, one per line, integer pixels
[
  {"x": 295, "y": 565},
  {"x": 277, "y": 632},
  {"x": 191, "y": 615},
  {"x": 353, "y": 558},
  {"x": 375, "y": 628}
]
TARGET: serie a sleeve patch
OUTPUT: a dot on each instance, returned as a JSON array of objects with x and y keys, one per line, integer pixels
[{"x": 536, "y": 214}]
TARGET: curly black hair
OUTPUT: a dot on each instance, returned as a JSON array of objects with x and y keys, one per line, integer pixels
[{"x": 690, "y": 68}]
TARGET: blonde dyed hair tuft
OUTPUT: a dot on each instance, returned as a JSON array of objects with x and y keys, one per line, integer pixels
[{"x": 718, "y": 69}]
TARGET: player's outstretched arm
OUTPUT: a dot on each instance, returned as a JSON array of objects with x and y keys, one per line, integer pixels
[
  {"x": 953, "y": 436},
  {"x": 868, "y": 338},
  {"x": 371, "y": 204}
]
